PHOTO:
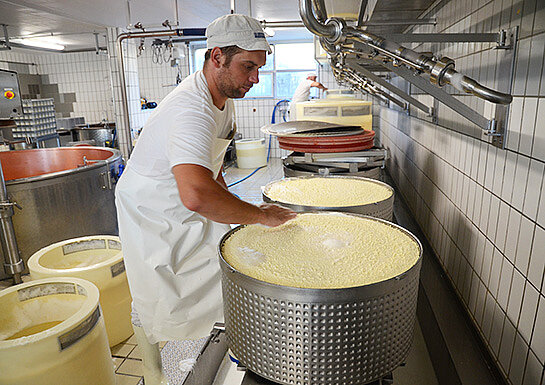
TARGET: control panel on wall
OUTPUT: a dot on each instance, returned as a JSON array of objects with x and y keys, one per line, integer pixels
[{"x": 10, "y": 98}]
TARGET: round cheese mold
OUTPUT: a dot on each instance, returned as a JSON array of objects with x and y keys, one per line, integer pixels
[
  {"x": 328, "y": 191},
  {"x": 322, "y": 251}
]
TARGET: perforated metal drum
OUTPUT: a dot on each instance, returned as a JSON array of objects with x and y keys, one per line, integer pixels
[
  {"x": 383, "y": 209},
  {"x": 291, "y": 170},
  {"x": 302, "y": 336}
]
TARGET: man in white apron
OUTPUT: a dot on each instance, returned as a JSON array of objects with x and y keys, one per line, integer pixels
[{"x": 172, "y": 203}]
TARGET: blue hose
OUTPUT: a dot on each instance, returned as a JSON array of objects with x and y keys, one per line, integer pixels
[
  {"x": 246, "y": 177},
  {"x": 273, "y": 120}
]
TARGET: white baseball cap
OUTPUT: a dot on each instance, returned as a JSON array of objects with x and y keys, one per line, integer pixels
[{"x": 243, "y": 31}]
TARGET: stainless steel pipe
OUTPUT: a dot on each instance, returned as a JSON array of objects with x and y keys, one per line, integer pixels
[
  {"x": 312, "y": 24},
  {"x": 13, "y": 264},
  {"x": 126, "y": 149},
  {"x": 461, "y": 82},
  {"x": 361, "y": 83}
]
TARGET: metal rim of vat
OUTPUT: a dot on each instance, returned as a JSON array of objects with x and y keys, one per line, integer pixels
[
  {"x": 116, "y": 155},
  {"x": 383, "y": 209},
  {"x": 269, "y": 333}
]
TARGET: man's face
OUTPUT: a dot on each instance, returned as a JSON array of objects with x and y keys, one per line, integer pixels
[
  {"x": 236, "y": 79},
  {"x": 313, "y": 78}
]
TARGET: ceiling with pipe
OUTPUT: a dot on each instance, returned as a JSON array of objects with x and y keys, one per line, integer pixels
[{"x": 73, "y": 22}]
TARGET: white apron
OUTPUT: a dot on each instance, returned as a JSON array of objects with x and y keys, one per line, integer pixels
[{"x": 170, "y": 256}]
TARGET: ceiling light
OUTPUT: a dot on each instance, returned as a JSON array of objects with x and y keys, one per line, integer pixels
[
  {"x": 39, "y": 44},
  {"x": 269, "y": 31}
]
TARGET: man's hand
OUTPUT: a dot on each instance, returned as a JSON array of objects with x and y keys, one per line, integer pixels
[{"x": 274, "y": 215}]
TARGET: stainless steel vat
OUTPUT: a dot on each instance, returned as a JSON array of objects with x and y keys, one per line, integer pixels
[
  {"x": 301, "y": 336},
  {"x": 100, "y": 133},
  {"x": 383, "y": 209},
  {"x": 63, "y": 193},
  {"x": 292, "y": 167}
]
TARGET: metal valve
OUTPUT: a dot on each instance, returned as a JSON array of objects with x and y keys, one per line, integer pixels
[{"x": 439, "y": 69}]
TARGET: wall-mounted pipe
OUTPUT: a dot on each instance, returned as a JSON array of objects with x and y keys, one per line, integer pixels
[
  {"x": 191, "y": 34},
  {"x": 336, "y": 32},
  {"x": 282, "y": 24}
]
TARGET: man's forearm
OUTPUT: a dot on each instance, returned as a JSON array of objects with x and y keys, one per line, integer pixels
[
  {"x": 199, "y": 192},
  {"x": 221, "y": 206}
]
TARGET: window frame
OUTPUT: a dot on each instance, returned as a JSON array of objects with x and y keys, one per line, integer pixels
[{"x": 195, "y": 46}]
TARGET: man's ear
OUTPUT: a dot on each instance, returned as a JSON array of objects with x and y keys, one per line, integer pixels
[{"x": 216, "y": 57}]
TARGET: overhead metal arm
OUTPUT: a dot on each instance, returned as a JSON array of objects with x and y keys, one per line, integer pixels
[
  {"x": 377, "y": 79},
  {"x": 336, "y": 32},
  {"x": 361, "y": 83}
]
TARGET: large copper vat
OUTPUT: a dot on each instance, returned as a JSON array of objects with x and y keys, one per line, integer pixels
[{"x": 63, "y": 193}]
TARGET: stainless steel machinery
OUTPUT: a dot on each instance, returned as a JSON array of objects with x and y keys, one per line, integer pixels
[
  {"x": 62, "y": 193},
  {"x": 355, "y": 54},
  {"x": 366, "y": 163},
  {"x": 322, "y": 148},
  {"x": 101, "y": 133}
]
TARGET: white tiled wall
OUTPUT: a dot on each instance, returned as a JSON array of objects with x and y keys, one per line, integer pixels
[
  {"x": 482, "y": 208},
  {"x": 156, "y": 75},
  {"x": 87, "y": 75},
  {"x": 21, "y": 60}
]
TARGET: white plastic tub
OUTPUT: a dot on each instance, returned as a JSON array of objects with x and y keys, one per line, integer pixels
[
  {"x": 98, "y": 259},
  {"x": 350, "y": 112},
  {"x": 251, "y": 153},
  {"x": 52, "y": 333}
]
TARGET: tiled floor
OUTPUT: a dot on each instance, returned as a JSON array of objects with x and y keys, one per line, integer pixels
[
  {"x": 250, "y": 189},
  {"x": 127, "y": 359}
]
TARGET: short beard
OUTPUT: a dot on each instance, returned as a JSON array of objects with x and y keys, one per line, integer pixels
[{"x": 226, "y": 86}]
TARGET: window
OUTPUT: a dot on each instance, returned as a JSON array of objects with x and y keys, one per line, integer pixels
[
  {"x": 263, "y": 89},
  {"x": 198, "y": 58},
  {"x": 295, "y": 56},
  {"x": 287, "y": 82},
  {"x": 286, "y": 67}
]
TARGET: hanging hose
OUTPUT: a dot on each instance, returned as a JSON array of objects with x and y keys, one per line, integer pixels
[{"x": 273, "y": 120}]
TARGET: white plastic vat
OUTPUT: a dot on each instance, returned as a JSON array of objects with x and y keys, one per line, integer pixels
[
  {"x": 98, "y": 259},
  {"x": 52, "y": 333},
  {"x": 251, "y": 153}
]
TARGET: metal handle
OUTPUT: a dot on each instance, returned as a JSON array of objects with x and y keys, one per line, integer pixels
[{"x": 106, "y": 182}]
